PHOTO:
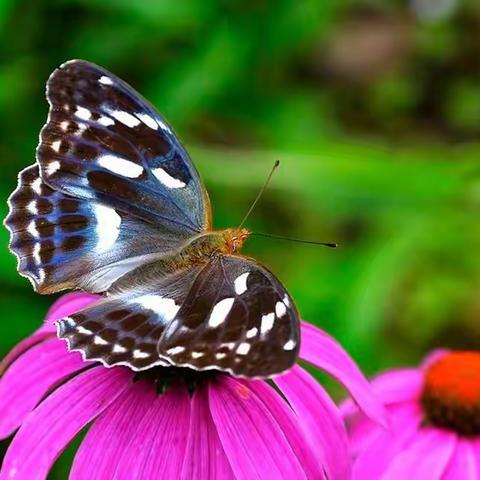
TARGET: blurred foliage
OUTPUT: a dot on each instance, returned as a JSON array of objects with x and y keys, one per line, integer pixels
[{"x": 372, "y": 107}]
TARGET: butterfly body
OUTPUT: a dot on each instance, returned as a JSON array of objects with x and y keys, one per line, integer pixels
[
  {"x": 201, "y": 249},
  {"x": 114, "y": 205}
]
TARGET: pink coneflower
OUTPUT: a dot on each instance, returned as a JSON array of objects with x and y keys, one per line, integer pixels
[
  {"x": 435, "y": 422},
  {"x": 173, "y": 424}
]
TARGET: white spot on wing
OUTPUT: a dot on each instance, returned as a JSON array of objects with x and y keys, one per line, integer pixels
[
  {"x": 243, "y": 348},
  {"x": 106, "y": 121},
  {"x": 139, "y": 354},
  {"x": 167, "y": 179},
  {"x": 32, "y": 230},
  {"x": 220, "y": 355},
  {"x": 196, "y": 355},
  {"x": 175, "y": 350},
  {"x": 126, "y": 118},
  {"x": 280, "y": 309},
  {"x": 108, "y": 226},
  {"x": 104, "y": 80},
  {"x": 164, "y": 126},
  {"x": 81, "y": 128},
  {"x": 83, "y": 330},
  {"x": 286, "y": 301},
  {"x": 41, "y": 275},
  {"x": 240, "y": 283},
  {"x": 252, "y": 332},
  {"x": 118, "y": 349},
  {"x": 36, "y": 253},
  {"x": 32, "y": 207},
  {"x": 267, "y": 322},
  {"x": 99, "y": 340},
  {"x": 83, "y": 113},
  {"x": 220, "y": 312},
  {"x": 290, "y": 345},
  {"x": 56, "y": 145},
  {"x": 120, "y": 166},
  {"x": 166, "y": 307},
  {"x": 37, "y": 186},
  {"x": 64, "y": 125},
  {"x": 52, "y": 167},
  {"x": 148, "y": 120}
]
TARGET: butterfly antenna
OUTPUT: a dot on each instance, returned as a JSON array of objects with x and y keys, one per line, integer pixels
[
  {"x": 297, "y": 240},
  {"x": 260, "y": 193}
]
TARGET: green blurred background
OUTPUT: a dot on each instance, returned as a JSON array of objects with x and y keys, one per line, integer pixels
[{"x": 372, "y": 107}]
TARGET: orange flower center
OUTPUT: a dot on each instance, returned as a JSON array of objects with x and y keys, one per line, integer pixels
[{"x": 451, "y": 393}]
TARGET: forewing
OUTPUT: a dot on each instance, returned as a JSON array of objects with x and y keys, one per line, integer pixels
[
  {"x": 113, "y": 187},
  {"x": 104, "y": 142},
  {"x": 238, "y": 318},
  {"x": 64, "y": 242}
]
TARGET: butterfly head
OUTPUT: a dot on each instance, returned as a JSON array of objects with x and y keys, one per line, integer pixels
[{"x": 234, "y": 238}]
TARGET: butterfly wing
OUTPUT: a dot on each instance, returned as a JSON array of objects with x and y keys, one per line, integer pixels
[
  {"x": 65, "y": 242},
  {"x": 124, "y": 328},
  {"x": 104, "y": 142},
  {"x": 113, "y": 186},
  {"x": 238, "y": 318},
  {"x": 231, "y": 314}
]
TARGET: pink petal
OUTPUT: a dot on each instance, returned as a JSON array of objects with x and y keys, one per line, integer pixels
[
  {"x": 253, "y": 441},
  {"x": 112, "y": 433},
  {"x": 425, "y": 458},
  {"x": 288, "y": 422},
  {"x": 319, "y": 418},
  {"x": 324, "y": 352},
  {"x": 465, "y": 462},
  {"x": 23, "y": 346},
  {"x": 374, "y": 459},
  {"x": 380, "y": 447},
  {"x": 361, "y": 431},
  {"x": 158, "y": 450},
  {"x": 204, "y": 456},
  {"x": 398, "y": 386},
  {"x": 394, "y": 386},
  {"x": 406, "y": 415},
  {"x": 30, "y": 377},
  {"x": 50, "y": 427},
  {"x": 66, "y": 305}
]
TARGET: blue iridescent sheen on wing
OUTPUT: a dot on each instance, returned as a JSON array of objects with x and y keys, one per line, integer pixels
[
  {"x": 104, "y": 142},
  {"x": 118, "y": 187},
  {"x": 65, "y": 242}
]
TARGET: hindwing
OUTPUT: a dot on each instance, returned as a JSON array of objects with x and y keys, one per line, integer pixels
[{"x": 230, "y": 314}]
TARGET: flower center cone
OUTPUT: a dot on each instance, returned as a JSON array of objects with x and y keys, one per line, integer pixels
[{"x": 451, "y": 393}]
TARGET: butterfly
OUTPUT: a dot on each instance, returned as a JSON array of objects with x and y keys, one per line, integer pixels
[{"x": 114, "y": 205}]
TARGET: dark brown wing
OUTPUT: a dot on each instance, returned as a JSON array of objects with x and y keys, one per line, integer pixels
[
  {"x": 106, "y": 143},
  {"x": 231, "y": 315},
  {"x": 112, "y": 186},
  {"x": 237, "y": 317},
  {"x": 124, "y": 328},
  {"x": 65, "y": 242}
]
